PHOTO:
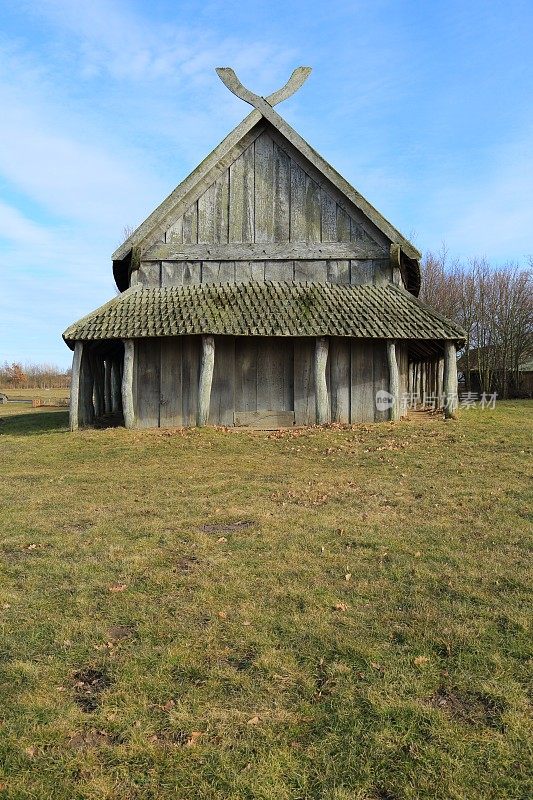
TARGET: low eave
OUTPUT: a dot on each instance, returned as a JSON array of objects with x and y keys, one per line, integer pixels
[{"x": 265, "y": 309}]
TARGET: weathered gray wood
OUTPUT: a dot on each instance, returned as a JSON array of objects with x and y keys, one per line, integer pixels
[
  {"x": 264, "y": 420},
  {"x": 116, "y": 387},
  {"x": 86, "y": 389},
  {"x": 282, "y": 195},
  {"x": 171, "y": 401},
  {"x": 340, "y": 380},
  {"x": 207, "y": 364},
  {"x": 246, "y": 373},
  {"x": 195, "y": 184},
  {"x": 382, "y": 272},
  {"x": 190, "y": 379},
  {"x": 440, "y": 381},
  {"x": 172, "y": 273},
  {"x": 304, "y": 383},
  {"x": 381, "y": 377},
  {"x": 190, "y": 225},
  {"x": 338, "y": 271},
  {"x": 150, "y": 273},
  {"x": 75, "y": 386},
  {"x": 230, "y": 80},
  {"x": 394, "y": 380},
  {"x": 329, "y": 218},
  {"x": 206, "y": 216},
  {"x": 107, "y": 387},
  {"x": 127, "y": 383},
  {"x": 264, "y": 188},
  {"x": 343, "y": 225},
  {"x": 221, "y": 210},
  {"x": 321, "y": 388},
  {"x": 243, "y": 271},
  {"x": 147, "y": 389},
  {"x": 192, "y": 272},
  {"x": 275, "y": 380},
  {"x": 279, "y": 270},
  {"x": 222, "y": 401},
  {"x": 298, "y": 230},
  {"x": 250, "y": 251},
  {"x": 311, "y": 271},
  {"x": 313, "y": 210},
  {"x": 362, "y": 401},
  {"x": 450, "y": 380},
  {"x": 175, "y": 231},
  {"x": 361, "y": 271}
]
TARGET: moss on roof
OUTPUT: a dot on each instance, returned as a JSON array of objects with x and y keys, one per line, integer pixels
[{"x": 264, "y": 309}]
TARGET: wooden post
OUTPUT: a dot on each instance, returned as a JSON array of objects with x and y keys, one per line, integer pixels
[
  {"x": 440, "y": 381},
  {"x": 207, "y": 365},
  {"x": 450, "y": 380},
  {"x": 127, "y": 383},
  {"x": 116, "y": 392},
  {"x": 321, "y": 386},
  {"x": 107, "y": 386},
  {"x": 394, "y": 380},
  {"x": 86, "y": 388},
  {"x": 75, "y": 386}
]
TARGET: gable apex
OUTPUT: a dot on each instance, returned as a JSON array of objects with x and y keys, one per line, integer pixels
[{"x": 262, "y": 118}]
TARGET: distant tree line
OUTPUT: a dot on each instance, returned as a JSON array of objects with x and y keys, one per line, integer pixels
[
  {"x": 494, "y": 306},
  {"x": 33, "y": 376}
]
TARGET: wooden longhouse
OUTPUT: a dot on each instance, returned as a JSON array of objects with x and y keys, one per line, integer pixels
[{"x": 265, "y": 291}]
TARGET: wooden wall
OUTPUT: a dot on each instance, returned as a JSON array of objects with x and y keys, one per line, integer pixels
[
  {"x": 271, "y": 194},
  {"x": 258, "y": 374}
]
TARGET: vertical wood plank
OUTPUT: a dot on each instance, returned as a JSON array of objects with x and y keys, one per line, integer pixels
[
  {"x": 206, "y": 216},
  {"x": 264, "y": 186},
  {"x": 321, "y": 387},
  {"x": 313, "y": 210},
  {"x": 362, "y": 381},
  {"x": 190, "y": 225},
  {"x": 148, "y": 356},
  {"x": 311, "y": 271},
  {"x": 221, "y": 211},
  {"x": 381, "y": 377},
  {"x": 222, "y": 404},
  {"x": 275, "y": 374},
  {"x": 282, "y": 195},
  {"x": 343, "y": 225},
  {"x": 304, "y": 385},
  {"x": 172, "y": 273},
  {"x": 174, "y": 234},
  {"x": 394, "y": 379},
  {"x": 190, "y": 375},
  {"x": 329, "y": 218},
  {"x": 340, "y": 380},
  {"x": 279, "y": 270},
  {"x": 361, "y": 271},
  {"x": 149, "y": 273},
  {"x": 298, "y": 230},
  {"x": 171, "y": 385},
  {"x": 243, "y": 271},
  {"x": 246, "y": 374},
  {"x": 338, "y": 271},
  {"x": 192, "y": 272},
  {"x": 236, "y": 199}
]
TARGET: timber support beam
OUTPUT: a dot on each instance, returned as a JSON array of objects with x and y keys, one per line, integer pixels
[
  {"x": 127, "y": 383},
  {"x": 75, "y": 386},
  {"x": 207, "y": 365},
  {"x": 394, "y": 380},
  {"x": 321, "y": 387},
  {"x": 450, "y": 380}
]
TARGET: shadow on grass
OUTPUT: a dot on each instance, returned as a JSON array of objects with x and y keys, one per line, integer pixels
[{"x": 33, "y": 423}]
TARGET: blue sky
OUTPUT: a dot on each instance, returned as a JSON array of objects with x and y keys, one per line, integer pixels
[{"x": 426, "y": 107}]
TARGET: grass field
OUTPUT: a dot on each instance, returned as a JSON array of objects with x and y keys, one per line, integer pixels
[
  {"x": 28, "y": 394},
  {"x": 329, "y": 614}
]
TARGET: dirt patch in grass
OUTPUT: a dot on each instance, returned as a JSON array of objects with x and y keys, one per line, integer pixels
[
  {"x": 472, "y": 708},
  {"x": 93, "y": 738},
  {"x": 186, "y": 564},
  {"x": 88, "y": 684},
  {"x": 116, "y": 633}
]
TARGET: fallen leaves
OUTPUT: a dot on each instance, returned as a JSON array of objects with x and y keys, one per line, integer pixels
[
  {"x": 254, "y": 720},
  {"x": 193, "y": 738},
  {"x": 340, "y": 607},
  {"x": 421, "y": 661},
  {"x": 118, "y": 587}
]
